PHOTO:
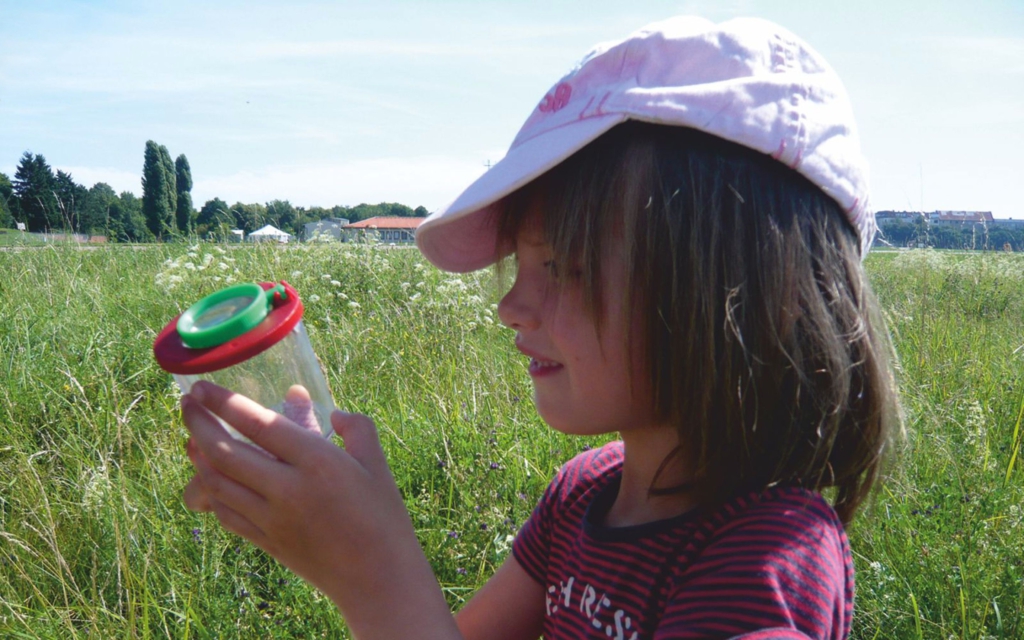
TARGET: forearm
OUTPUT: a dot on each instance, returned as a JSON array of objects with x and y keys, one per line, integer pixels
[{"x": 403, "y": 600}]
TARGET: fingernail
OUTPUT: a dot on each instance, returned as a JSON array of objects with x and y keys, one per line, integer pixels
[{"x": 197, "y": 392}]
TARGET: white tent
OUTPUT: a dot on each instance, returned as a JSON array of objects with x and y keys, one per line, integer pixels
[{"x": 269, "y": 232}]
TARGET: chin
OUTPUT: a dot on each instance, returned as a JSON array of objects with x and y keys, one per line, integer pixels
[{"x": 561, "y": 423}]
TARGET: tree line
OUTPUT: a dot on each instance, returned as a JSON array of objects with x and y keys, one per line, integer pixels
[
  {"x": 919, "y": 233},
  {"x": 48, "y": 201}
]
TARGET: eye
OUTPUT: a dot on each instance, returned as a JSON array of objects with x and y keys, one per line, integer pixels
[{"x": 555, "y": 273}]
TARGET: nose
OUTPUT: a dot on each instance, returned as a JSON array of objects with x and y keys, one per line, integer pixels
[{"x": 519, "y": 309}]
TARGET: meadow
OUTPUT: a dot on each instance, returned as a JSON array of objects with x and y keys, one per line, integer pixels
[{"x": 95, "y": 541}]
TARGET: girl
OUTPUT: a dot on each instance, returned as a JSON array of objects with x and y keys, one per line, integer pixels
[{"x": 687, "y": 212}]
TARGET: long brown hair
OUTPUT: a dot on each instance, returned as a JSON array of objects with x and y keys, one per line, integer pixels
[{"x": 761, "y": 335}]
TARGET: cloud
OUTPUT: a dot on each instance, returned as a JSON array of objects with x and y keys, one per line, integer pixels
[{"x": 430, "y": 181}]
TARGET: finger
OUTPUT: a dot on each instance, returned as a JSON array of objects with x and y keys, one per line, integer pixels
[
  {"x": 234, "y": 458},
  {"x": 298, "y": 407},
  {"x": 239, "y": 525},
  {"x": 361, "y": 440},
  {"x": 195, "y": 496},
  {"x": 266, "y": 428},
  {"x": 220, "y": 488}
]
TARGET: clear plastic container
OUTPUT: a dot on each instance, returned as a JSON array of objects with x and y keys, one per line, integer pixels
[{"x": 262, "y": 358}]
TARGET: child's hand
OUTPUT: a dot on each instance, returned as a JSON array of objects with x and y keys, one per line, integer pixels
[{"x": 333, "y": 516}]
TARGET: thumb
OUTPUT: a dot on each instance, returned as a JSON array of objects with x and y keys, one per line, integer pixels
[{"x": 359, "y": 434}]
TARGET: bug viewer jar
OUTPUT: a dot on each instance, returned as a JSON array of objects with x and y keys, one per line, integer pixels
[{"x": 249, "y": 338}]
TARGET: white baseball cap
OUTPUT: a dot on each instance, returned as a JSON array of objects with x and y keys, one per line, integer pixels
[{"x": 746, "y": 80}]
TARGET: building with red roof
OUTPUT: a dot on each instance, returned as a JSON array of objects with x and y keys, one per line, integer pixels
[{"x": 389, "y": 229}]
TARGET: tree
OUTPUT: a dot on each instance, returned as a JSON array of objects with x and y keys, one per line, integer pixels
[
  {"x": 282, "y": 215},
  {"x": 158, "y": 196},
  {"x": 946, "y": 237},
  {"x": 127, "y": 222},
  {"x": 71, "y": 198},
  {"x": 999, "y": 237},
  {"x": 6, "y": 202},
  {"x": 186, "y": 216},
  {"x": 249, "y": 217},
  {"x": 215, "y": 219},
  {"x": 172, "y": 184},
  {"x": 899, "y": 233},
  {"x": 33, "y": 187},
  {"x": 96, "y": 212}
]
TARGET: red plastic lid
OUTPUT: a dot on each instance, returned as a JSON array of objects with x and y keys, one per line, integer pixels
[{"x": 174, "y": 357}]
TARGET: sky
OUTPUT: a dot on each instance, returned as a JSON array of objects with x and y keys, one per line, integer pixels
[{"x": 343, "y": 102}]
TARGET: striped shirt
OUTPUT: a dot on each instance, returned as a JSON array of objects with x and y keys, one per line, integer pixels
[{"x": 769, "y": 565}]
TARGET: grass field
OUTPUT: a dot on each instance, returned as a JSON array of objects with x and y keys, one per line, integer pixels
[
  {"x": 15, "y": 238},
  {"x": 95, "y": 543}
]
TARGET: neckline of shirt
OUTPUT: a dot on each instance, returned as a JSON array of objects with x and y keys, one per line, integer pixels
[{"x": 599, "y": 506}]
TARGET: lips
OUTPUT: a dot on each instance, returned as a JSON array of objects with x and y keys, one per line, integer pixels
[
  {"x": 539, "y": 365},
  {"x": 543, "y": 367}
]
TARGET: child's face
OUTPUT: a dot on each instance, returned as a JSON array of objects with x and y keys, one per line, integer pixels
[{"x": 581, "y": 380}]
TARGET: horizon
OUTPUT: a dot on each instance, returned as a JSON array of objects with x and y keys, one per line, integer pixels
[{"x": 397, "y": 101}]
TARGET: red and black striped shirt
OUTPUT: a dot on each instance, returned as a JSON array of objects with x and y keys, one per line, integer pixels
[{"x": 772, "y": 565}]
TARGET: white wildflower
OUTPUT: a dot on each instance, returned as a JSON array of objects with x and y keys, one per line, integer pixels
[
  {"x": 314, "y": 298},
  {"x": 353, "y": 304},
  {"x": 335, "y": 283},
  {"x": 296, "y": 275}
]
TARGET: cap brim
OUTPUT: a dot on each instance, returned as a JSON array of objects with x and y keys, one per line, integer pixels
[{"x": 463, "y": 235}]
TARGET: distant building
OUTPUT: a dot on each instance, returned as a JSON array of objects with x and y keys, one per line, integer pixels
[
  {"x": 328, "y": 227},
  {"x": 387, "y": 229},
  {"x": 269, "y": 233},
  {"x": 960, "y": 217},
  {"x": 885, "y": 218},
  {"x": 1008, "y": 223}
]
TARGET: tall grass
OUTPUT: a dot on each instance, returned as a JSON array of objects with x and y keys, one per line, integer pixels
[{"x": 95, "y": 543}]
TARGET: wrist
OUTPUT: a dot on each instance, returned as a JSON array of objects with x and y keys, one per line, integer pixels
[{"x": 397, "y": 597}]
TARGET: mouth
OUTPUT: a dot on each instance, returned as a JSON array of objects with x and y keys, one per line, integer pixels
[
  {"x": 539, "y": 365},
  {"x": 541, "y": 368}
]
